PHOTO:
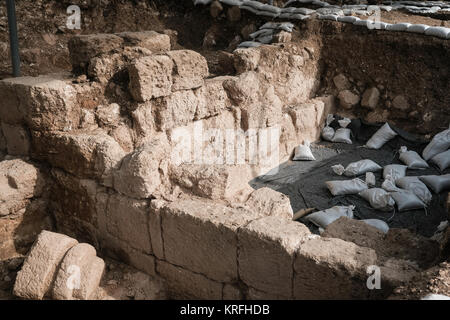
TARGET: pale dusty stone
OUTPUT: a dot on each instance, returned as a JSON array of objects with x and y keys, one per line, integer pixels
[
  {"x": 183, "y": 284},
  {"x": 377, "y": 116},
  {"x": 127, "y": 219},
  {"x": 151, "y": 40},
  {"x": 234, "y": 14},
  {"x": 282, "y": 37},
  {"x": 139, "y": 176},
  {"x": 267, "y": 251},
  {"x": 151, "y": 77},
  {"x": 17, "y": 139},
  {"x": 270, "y": 203},
  {"x": 155, "y": 228},
  {"x": 19, "y": 182},
  {"x": 348, "y": 99},
  {"x": 201, "y": 236},
  {"x": 370, "y": 98},
  {"x": 246, "y": 59},
  {"x": 215, "y": 9},
  {"x": 175, "y": 110},
  {"x": 143, "y": 120},
  {"x": 85, "y": 47},
  {"x": 232, "y": 292},
  {"x": 73, "y": 262},
  {"x": 123, "y": 135},
  {"x": 108, "y": 115},
  {"x": 84, "y": 154},
  {"x": 216, "y": 182},
  {"x": 91, "y": 275},
  {"x": 43, "y": 103},
  {"x": 308, "y": 118},
  {"x": 35, "y": 278},
  {"x": 212, "y": 98},
  {"x": 400, "y": 102},
  {"x": 190, "y": 68},
  {"x": 327, "y": 268},
  {"x": 341, "y": 82}
]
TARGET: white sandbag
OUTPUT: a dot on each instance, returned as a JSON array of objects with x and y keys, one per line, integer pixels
[
  {"x": 437, "y": 183},
  {"x": 414, "y": 185},
  {"x": 439, "y": 144},
  {"x": 328, "y": 132},
  {"x": 440, "y": 32},
  {"x": 323, "y": 218},
  {"x": 389, "y": 185},
  {"x": 343, "y": 187},
  {"x": 379, "y": 224},
  {"x": 361, "y": 167},
  {"x": 344, "y": 122},
  {"x": 399, "y": 26},
  {"x": 442, "y": 160},
  {"x": 378, "y": 198},
  {"x": 383, "y": 135},
  {"x": 412, "y": 159},
  {"x": 303, "y": 152},
  {"x": 249, "y": 44},
  {"x": 396, "y": 171},
  {"x": 433, "y": 296},
  {"x": 342, "y": 135},
  {"x": 370, "y": 179},
  {"x": 406, "y": 200}
]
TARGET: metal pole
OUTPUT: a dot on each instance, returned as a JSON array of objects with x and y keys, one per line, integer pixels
[{"x": 13, "y": 40}]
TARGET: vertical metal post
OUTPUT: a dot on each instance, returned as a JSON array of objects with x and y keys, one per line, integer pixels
[{"x": 13, "y": 39}]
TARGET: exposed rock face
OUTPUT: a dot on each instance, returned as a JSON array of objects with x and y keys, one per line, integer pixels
[{"x": 348, "y": 99}]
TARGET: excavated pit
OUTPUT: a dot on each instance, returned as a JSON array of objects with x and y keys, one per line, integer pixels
[{"x": 103, "y": 140}]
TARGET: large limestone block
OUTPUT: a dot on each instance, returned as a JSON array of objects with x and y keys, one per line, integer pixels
[
  {"x": 19, "y": 182},
  {"x": 307, "y": 119},
  {"x": 35, "y": 278},
  {"x": 216, "y": 182},
  {"x": 139, "y": 176},
  {"x": 246, "y": 59},
  {"x": 175, "y": 110},
  {"x": 267, "y": 252},
  {"x": 90, "y": 154},
  {"x": 184, "y": 284},
  {"x": 328, "y": 268},
  {"x": 244, "y": 89},
  {"x": 212, "y": 98},
  {"x": 151, "y": 40},
  {"x": 270, "y": 203},
  {"x": 190, "y": 68},
  {"x": 85, "y": 47},
  {"x": 44, "y": 103},
  {"x": 201, "y": 236},
  {"x": 91, "y": 275},
  {"x": 150, "y": 77},
  {"x": 74, "y": 261},
  {"x": 127, "y": 219}
]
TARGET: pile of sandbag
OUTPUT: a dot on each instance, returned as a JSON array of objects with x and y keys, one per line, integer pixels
[{"x": 59, "y": 267}]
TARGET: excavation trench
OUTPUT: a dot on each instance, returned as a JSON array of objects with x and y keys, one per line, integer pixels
[{"x": 105, "y": 137}]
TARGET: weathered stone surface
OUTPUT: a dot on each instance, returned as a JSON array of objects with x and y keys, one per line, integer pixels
[
  {"x": 282, "y": 37},
  {"x": 150, "y": 77},
  {"x": 254, "y": 294},
  {"x": 270, "y": 203},
  {"x": 267, "y": 250},
  {"x": 155, "y": 228},
  {"x": 327, "y": 268},
  {"x": 216, "y": 182},
  {"x": 246, "y": 59},
  {"x": 34, "y": 279},
  {"x": 308, "y": 119},
  {"x": 370, "y": 98},
  {"x": 341, "y": 82},
  {"x": 144, "y": 122},
  {"x": 127, "y": 219},
  {"x": 91, "y": 276},
  {"x": 348, "y": 99},
  {"x": 17, "y": 139},
  {"x": 190, "y": 68},
  {"x": 243, "y": 90},
  {"x": 85, "y": 47},
  {"x": 232, "y": 292},
  {"x": 18, "y": 232},
  {"x": 75, "y": 260},
  {"x": 108, "y": 115},
  {"x": 19, "y": 182},
  {"x": 212, "y": 98},
  {"x": 201, "y": 236},
  {"x": 151, "y": 40},
  {"x": 175, "y": 110},
  {"x": 400, "y": 102},
  {"x": 84, "y": 154},
  {"x": 183, "y": 284},
  {"x": 43, "y": 103},
  {"x": 139, "y": 176}
]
